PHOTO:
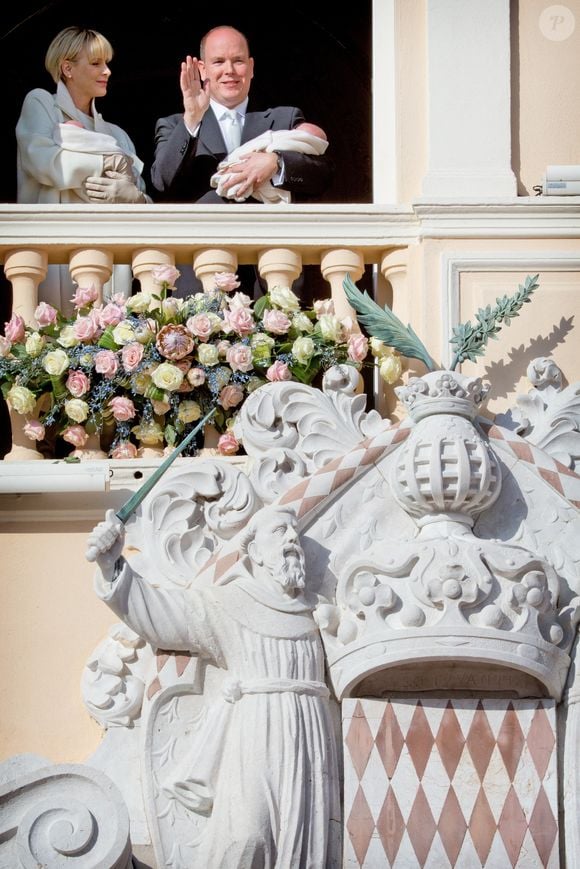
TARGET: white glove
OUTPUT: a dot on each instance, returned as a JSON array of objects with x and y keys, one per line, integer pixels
[
  {"x": 117, "y": 163},
  {"x": 113, "y": 187},
  {"x": 105, "y": 543}
]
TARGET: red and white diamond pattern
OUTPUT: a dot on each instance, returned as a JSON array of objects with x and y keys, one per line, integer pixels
[{"x": 443, "y": 783}]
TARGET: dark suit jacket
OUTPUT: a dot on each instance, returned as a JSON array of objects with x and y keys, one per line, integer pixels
[{"x": 183, "y": 165}]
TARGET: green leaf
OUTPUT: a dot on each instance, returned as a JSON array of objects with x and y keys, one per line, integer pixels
[
  {"x": 469, "y": 343},
  {"x": 260, "y": 306},
  {"x": 383, "y": 324}
]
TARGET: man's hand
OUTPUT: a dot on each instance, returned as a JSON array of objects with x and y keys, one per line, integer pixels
[
  {"x": 195, "y": 92},
  {"x": 253, "y": 170},
  {"x": 105, "y": 543},
  {"x": 113, "y": 187}
]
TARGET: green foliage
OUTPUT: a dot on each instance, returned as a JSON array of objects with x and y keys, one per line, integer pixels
[
  {"x": 469, "y": 341},
  {"x": 383, "y": 324}
]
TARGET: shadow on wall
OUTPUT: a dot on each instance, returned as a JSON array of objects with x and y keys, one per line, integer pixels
[{"x": 313, "y": 55}]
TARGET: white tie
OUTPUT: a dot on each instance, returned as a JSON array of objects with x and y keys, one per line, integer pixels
[{"x": 232, "y": 130}]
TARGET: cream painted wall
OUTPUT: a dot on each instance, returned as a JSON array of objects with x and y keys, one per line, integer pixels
[
  {"x": 411, "y": 96},
  {"x": 545, "y": 84},
  {"x": 50, "y": 622}
]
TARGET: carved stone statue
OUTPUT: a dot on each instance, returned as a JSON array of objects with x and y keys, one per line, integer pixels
[{"x": 262, "y": 767}]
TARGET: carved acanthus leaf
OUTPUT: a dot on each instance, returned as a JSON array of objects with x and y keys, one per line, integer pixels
[
  {"x": 549, "y": 416},
  {"x": 309, "y": 425},
  {"x": 186, "y": 516}
]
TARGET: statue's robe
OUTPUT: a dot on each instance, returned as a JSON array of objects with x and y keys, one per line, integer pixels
[{"x": 264, "y": 766}]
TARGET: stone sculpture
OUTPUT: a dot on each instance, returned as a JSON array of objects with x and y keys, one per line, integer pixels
[{"x": 262, "y": 764}]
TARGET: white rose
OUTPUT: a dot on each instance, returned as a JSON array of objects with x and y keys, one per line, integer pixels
[
  {"x": 67, "y": 337},
  {"x": 259, "y": 339},
  {"x": 139, "y": 303},
  {"x": 171, "y": 307},
  {"x": 76, "y": 409},
  {"x": 21, "y": 399},
  {"x": 302, "y": 323},
  {"x": 302, "y": 350},
  {"x": 55, "y": 362},
  {"x": 208, "y": 354},
  {"x": 167, "y": 376},
  {"x": 330, "y": 328},
  {"x": 34, "y": 344},
  {"x": 124, "y": 333},
  {"x": 284, "y": 298}
]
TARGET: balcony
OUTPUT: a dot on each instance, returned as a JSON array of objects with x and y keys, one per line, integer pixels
[{"x": 279, "y": 241}]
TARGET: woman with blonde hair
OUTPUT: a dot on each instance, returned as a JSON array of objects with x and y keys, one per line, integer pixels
[{"x": 68, "y": 153}]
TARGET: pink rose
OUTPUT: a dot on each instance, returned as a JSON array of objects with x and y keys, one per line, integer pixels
[
  {"x": 165, "y": 274},
  {"x": 34, "y": 430},
  {"x": 228, "y": 444},
  {"x": 84, "y": 296},
  {"x": 85, "y": 328},
  {"x": 358, "y": 347},
  {"x": 123, "y": 408},
  {"x": 226, "y": 281},
  {"x": 239, "y": 320},
  {"x": 239, "y": 358},
  {"x": 124, "y": 450},
  {"x": 106, "y": 363},
  {"x": 75, "y": 435},
  {"x": 230, "y": 396},
  {"x": 276, "y": 322},
  {"x": 196, "y": 377},
  {"x": 323, "y": 306},
  {"x": 14, "y": 329},
  {"x": 174, "y": 342},
  {"x": 45, "y": 315},
  {"x": 200, "y": 326},
  {"x": 278, "y": 371},
  {"x": 110, "y": 315},
  {"x": 77, "y": 383},
  {"x": 131, "y": 355},
  {"x": 239, "y": 300}
]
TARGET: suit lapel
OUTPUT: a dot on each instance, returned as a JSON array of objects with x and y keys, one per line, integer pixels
[
  {"x": 255, "y": 124},
  {"x": 210, "y": 139}
]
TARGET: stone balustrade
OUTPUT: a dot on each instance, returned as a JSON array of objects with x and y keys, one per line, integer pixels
[{"x": 279, "y": 242}]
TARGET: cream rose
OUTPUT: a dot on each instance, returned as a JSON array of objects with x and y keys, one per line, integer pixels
[
  {"x": 390, "y": 369},
  {"x": 302, "y": 322},
  {"x": 21, "y": 399},
  {"x": 302, "y": 350},
  {"x": 34, "y": 344},
  {"x": 76, "y": 409},
  {"x": 139, "y": 303},
  {"x": 189, "y": 411},
  {"x": 208, "y": 354},
  {"x": 167, "y": 376},
  {"x": 330, "y": 328},
  {"x": 124, "y": 333},
  {"x": 67, "y": 337},
  {"x": 55, "y": 362}
]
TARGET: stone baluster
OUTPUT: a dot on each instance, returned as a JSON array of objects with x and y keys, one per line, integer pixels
[
  {"x": 91, "y": 267},
  {"x": 143, "y": 263},
  {"x": 279, "y": 266},
  {"x": 393, "y": 266},
  {"x": 210, "y": 261},
  {"x": 335, "y": 265},
  {"x": 25, "y": 269}
]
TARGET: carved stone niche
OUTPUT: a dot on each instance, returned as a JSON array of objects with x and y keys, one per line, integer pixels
[{"x": 444, "y": 551}]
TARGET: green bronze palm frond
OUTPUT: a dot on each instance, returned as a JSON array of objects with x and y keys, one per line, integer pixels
[{"x": 383, "y": 324}]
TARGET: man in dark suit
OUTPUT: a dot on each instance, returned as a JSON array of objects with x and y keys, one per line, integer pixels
[{"x": 189, "y": 146}]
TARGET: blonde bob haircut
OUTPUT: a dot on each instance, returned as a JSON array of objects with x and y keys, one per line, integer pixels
[{"x": 69, "y": 44}]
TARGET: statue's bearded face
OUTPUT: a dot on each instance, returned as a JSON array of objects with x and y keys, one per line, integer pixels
[{"x": 279, "y": 549}]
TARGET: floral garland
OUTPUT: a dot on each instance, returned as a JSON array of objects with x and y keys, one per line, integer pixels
[{"x": 145, "y": 368}]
